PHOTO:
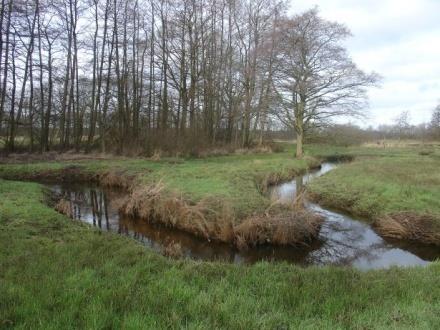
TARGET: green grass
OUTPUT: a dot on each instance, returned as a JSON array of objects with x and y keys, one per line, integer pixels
[
  {"x": 56, "y": 273},
  {"x": 382, "y": 182},
  {"x": 231, "y": 179}
]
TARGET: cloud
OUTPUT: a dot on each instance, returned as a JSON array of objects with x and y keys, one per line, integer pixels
[{"x": 398, "y": 39}]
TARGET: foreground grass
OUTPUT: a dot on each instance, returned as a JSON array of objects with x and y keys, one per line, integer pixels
[
  {"x": 56, "y": 273},
  {"x": 383, "y": 181}
]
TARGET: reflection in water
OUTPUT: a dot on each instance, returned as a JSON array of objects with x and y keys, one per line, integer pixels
[
  {"x": 94, "y": 206},
  {"x": 342, "y": 241},
  {"x": 346, "y": 241}
]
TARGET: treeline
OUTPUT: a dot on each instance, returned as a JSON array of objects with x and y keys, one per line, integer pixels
[
  {"x": 349, "y": 134},
  {"x": 124, "y": 75}
]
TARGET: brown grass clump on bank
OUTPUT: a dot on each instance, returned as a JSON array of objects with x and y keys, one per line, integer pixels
[
  {"x": 212, "y": 220},
  {"x": 272, "y": 179},
  {"x": 116, "y": 179},
  {"x": 288, "y": 228},
  {"x": 423, "y": 228},
  {"x": 209, "y": 218},
  {"x": 203, "y": 219},
  {"x": 173, "y": 250},
  {"x": 64, "y": 207}
]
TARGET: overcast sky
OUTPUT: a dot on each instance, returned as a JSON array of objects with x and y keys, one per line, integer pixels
[{"x": 399, "y": 39}]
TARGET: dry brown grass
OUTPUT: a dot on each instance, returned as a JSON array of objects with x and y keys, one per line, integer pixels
[
  {"x": 211, "y": 219},
  {"x": 64, "y": 207},
  {"x": 173, "y": 250},
  {"x": 287, "y": 228},
  {"x": 423, "y": 228},
  {"x": 206, "y": 218},
  {"x": 116, "y": 179},
  {"x": 157, "y": 155},
  {"x": 391, "y": 143}
]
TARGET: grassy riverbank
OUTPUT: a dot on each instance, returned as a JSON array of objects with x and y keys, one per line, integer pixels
[
  {"x": 212, "y": 195},
  {"x": 235, "y": 180},
  {"x": 56, "y": 273},
  {"x": 216, "y": 198},
  {"x": 399, "y": 190}
]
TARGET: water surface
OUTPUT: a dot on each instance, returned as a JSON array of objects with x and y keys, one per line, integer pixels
[{"x": 343, "y": 240}]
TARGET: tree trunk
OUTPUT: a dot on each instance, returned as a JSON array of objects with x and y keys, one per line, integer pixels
[
  {"x": 299, "y": 126},
  {"x": 299, "y": 143}
]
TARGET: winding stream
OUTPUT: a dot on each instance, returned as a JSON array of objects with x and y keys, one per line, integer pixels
[{"x": 343, "y": 240}]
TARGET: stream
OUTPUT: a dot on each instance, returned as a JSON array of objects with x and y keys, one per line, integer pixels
[{"x": 343, "y": 239}]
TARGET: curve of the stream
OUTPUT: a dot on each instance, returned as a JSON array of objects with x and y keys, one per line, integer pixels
[{"x": 343, "y": 240}]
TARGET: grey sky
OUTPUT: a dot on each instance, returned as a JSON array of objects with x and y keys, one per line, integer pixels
[{"x": 399, "y": 39}]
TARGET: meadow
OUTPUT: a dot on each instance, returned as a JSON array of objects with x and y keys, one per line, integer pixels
[{"x": 59, "y": 273}]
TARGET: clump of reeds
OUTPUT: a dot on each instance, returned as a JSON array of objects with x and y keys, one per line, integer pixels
[
  {"x": 211, "y": 219},
  {"x": 116, "y": 179},
  {"x": 173, "y": 250},
  {"x": 205, "y": 218},
  {"x": 287, "y": 228},
  {"x": 64, "y": 206},
  {"x": 157, "y": 155},
  {"x": 423, "y": 228}
]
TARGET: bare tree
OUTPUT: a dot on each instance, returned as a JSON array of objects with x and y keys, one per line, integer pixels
[
  {"x": 133, "y": 74},
  {"x": 316, "y": 79},
  {"x": 402, "y": 124},
  {"x": 435, "y": 122}
]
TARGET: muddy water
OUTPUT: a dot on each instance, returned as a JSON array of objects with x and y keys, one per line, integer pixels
[{"x": 343, "y": 240}]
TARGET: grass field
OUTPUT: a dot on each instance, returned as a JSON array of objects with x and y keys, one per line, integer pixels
[
  {"x": 232, "y": 179},
  {"x": 56, "y": 273},
  {"x": 370, "y": 187},
  {"x": 397, "y": 189}
]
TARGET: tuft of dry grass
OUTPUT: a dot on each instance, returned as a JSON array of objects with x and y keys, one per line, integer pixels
[
  {"x": 116, "y": 179},
  {"x": 64, "y": 206},
  {"x": 173, "y": 250},
  {"x": 204, "y": 219},
  {"x": 157, "y": 155},
  {"x": 286, "y": 228},
  {"x": 422, "y": 228},
  {"x": 212, "y": 220}
]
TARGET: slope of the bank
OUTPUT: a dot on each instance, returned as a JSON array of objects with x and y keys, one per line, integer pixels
[{"x": 399, "y": 193}]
